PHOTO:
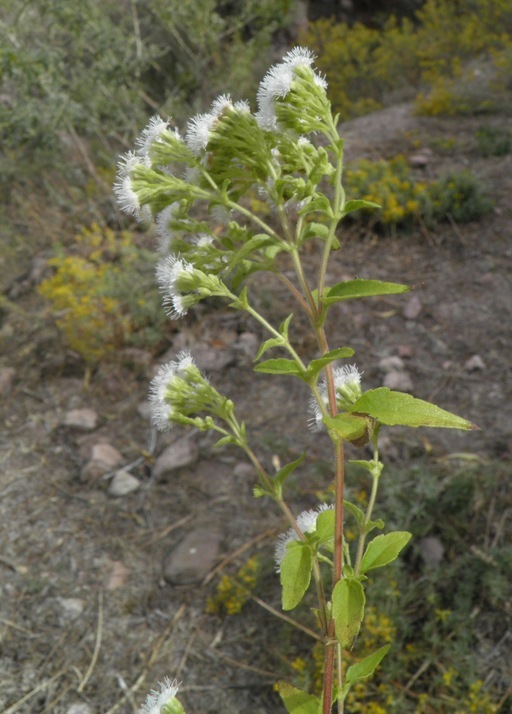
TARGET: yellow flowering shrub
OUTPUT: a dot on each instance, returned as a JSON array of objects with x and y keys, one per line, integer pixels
[
  {"x": 233, "y": 593},
  {"x": 102, "y": 295},
  {"x": 402, "y": 198},
  {"x": 438, "y": 59}
]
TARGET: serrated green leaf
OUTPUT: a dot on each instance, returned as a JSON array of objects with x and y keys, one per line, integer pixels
[
  {"x": 283, "y": 474},
  {"x": 296, "y": 701},
  {"x": 316, "y": 365},
  {"x": 357, "y": 205},
  {"x": 394, "y": 408},
  {"x": 347, "y": 426},
  {"x": 348, "y": 601},
  {"x": 280, "y": 366},
  {"x": 367, "y": 666},
  {"x": 384, "y": 549},
  {"x": 295, "y": 573},
  {"x": 359, "y": 288}
]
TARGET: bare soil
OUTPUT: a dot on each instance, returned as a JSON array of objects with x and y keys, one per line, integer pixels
[{"x": 62, "y": 538}]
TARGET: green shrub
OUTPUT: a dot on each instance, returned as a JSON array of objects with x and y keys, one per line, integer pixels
[{"x": 458, "y": 196}]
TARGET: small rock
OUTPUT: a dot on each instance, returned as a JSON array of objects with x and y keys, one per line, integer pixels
[
  {"x": 123, "y": 483},
  {"x": 193, "y": 558},
  {"x": 474, "y": 364},
  {"x": 244, "y": 470},
  {"x": 391, "y": 364},
  {"x": 421, "y": 159},
  {"x": 399, "y": 381},
  {"x": 412, "y": 308},
  {"x": 70, "y": 608},
  {"x": 405, "y": 351},
  {"x": 79, "y": 708},
  {"x": 117, "y": 576},
  {"x": 81, "y": 419},
  {"x": 432, "y": 551},
  {"x": 181, "y": 453},
  {"x": 248, "y": 344},
  {"x": 210, "y": 358},
  {"x": 486, "y": 279},
  {"x": 7, "y": 375},
  {"x": 104, "y": 458}
]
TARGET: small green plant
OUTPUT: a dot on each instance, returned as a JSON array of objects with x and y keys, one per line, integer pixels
[
  {"x": 103, "y": 296},
  {"x": 459, "y": 196},
  {"x": 197, "y": 188},
  {"x": 493, "y": 141}
]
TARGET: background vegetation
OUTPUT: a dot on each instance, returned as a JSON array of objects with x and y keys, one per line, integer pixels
[{"x": 79, "y": 81}]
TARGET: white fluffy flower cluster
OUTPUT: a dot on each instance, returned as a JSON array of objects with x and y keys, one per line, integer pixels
[
  {"x": 169, "y": 273},
  {"x": 156, "y": 700},
  {"x": 306, "y": 523},
  {"x": 346, "y": 384},
  {"x": 201, "y": 125},
  {"x": 161, "y": 411},
  {"x": 278, "y": 81}
]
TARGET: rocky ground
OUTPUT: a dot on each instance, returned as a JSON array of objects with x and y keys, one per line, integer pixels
[{"x": 112, "y": 539}]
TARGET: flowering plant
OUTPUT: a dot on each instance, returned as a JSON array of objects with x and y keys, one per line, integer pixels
[{"x": 211, "y": 242}]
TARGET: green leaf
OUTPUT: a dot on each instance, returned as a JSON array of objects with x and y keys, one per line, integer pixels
[
  {"x": 383, "y": 549},
  {"x": 259, "y": 241},
  {"x": 358, "y": 288},
  {"x": 283, "y": 474},
  {"x": 295, "y": 573},
  {"x": 227, "y": 440},
  {"x": 347, "y": 426},
  {"x": 357, "y": 205},
  {"x": 316, "y": 365},
  {"x": 325, "y": 525},
  {"x": 367, "y": 666},
  {"x": 280, "y": 366},
  {"x": 348, "y": 601},
  {"x": 276, "y": 341},
  {"x": 319, "y": 204},
  {"x": 296, "y": 701},
  {"x": 356, "y": 512},
  {"x": 394, "y": 408},
  {"x": 314, "y": 230}
]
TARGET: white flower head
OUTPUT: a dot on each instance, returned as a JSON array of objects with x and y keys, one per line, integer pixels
[
  {"x": 161, "y": 411},
  {"x": 278, "y": 81},
  {"x": 203, "y": 240},
  {"x": 347, "y": 381},
  {"x": 123, "y": 188},
  {"x": 159, "y": 698},
  {"x": 150, "y": 134},
  {"x": 169, "y": 273},
  {"x": 306, "y": 523},
  {"x": 201, "y": 125}
]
